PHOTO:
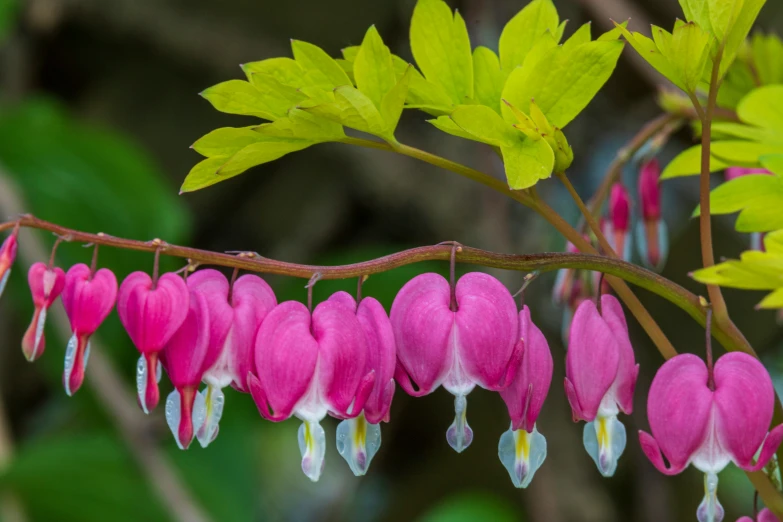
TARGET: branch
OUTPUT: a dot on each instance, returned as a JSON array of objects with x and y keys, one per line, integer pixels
[{"x": 634, "y": 274}]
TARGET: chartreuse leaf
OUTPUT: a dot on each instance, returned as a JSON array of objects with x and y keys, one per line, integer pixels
[
  {"x": 581, "y": 36},
  {"x": 240, "y": 97},
  {"x": 743, "y": 153},
  {"x": 757, "y": 197},
  {"x": 562, "y": 80},
  {"x": 441, "y": 47},
  {"x": 753, "y": 271},
  {"x": 773, "y": 163},
  {"x": 284, "y": 70},
  {"x": 488, "y": 78},
  {"x": 373, "y": 68},
  {"x": 232, "y": 151},
  {"x": 321, "y": 68},
  {"x": 446, "y": 124},
  {"x": 763, "y": 107},
  {"x": 648, "y": 50},
  {"x": 767, "y": 52},
  {"x": 394, "y": 101},
  {"x": 725, "y": 129},
  {"x": 352, "y": 109},
  {"x": 522, "y": 32},
  {"x": 688, "y": 163},
  {"x": 526, "y": 160}
]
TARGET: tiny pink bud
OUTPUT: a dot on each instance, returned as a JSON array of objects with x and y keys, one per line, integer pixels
[
  {"x": 151, "y": 314},
  {"x": 475, "y": 344},
  {"x": 693, "y": 424},
  {"x": 651, "y": 233},
  {"x": 7, "y": 257},
  {"x": 620, "y": 208},
  {"x": 46, "y": 285},
  {"x": 649, "y": 191},
  {"x": 765, "y": 515},
  {"x": 600, "y": 378},
  {"x": 88, "y": 299}
]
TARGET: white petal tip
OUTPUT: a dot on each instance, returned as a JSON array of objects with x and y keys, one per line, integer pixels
[
  {"x": 522, "y": 453},
  {"x": 312, "y": 446},
  {"x": 357, "y": 442}
]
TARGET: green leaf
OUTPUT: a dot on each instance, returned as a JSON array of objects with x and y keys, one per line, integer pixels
[
  {"x": 739, "y": 18},
  {"x": 688, "y": 163},
  {"x": 648, "y": 50},
  {"x": 773, "y": 163},
  {"x": 488, "y": 77},
  {"x": 322, "y": 68},
  {"x": 763, "y": 107},
  {"x": 527, "y": 162},
  {"x": 723, "y": 129},
  {"x": 524, "y": 30},
  {"x": 373, "y": 68},
  {"x": 302, "y": 125},
  {"x": 284, "y": 70},
  {"x": 485, "y": 125},
  {"x": 690, "y": 47},
  {"x": 445, "y": 124},
  {"x": 758, "y": 198},
  {"x": 353, "y": 109},
  {"x": 441, "y": 47},
  {"x": 226, "y": 141},
  {"x": 580, "y": 37},
  {"x": 239, "y": 97},
  {"x": 394, "y": 101},
  {"x": 279, "y": 97},
  {"x": 768, "y": 58},
  {"x": 563, "y": 81},
  {"x": 743, "y": 153}
]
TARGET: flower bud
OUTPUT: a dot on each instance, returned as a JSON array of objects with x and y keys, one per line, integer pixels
[
  {"x": 151, "y": 313},
  {"x": 522, "y": 448},
  {"x": 651, "y": 234},
  {"x": 460, "y": 340},
  {"x": 7, "y": 257},
  {"x": 46, "y": 285},
  {"x": 88, "y": 299},
  {"x": 600, "y": 378},
  {"x": 619, "y": 222}
]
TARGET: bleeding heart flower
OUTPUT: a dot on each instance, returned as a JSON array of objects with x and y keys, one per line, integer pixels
[
  {"x": 600, "y": 378},
  {"x": 7, "y": 257},
  {"x": 651, "y": 233},
  {"x": 522, "y": 448},
  {"x": 309, "y": 365},
  {"x": 235, "y": 315},
  {"x": 151, "y": 311},
  {"x": 359, "y": 439},
  {"x": 46, "y": 285},
  {"x": 88, "y": 299},
  {"x": 694, "y": 423},
  {"x": 765, "y": 515},
  {"x": 618, "y": 225},
  {"x": 183, "y": 358},
  {"x": 459, "y": 339}
]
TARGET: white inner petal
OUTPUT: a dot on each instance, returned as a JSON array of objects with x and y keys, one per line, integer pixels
[
  {"x": 312, "y": 446},
  {"x": 710, "y": 509},
  {"x": 4, "y": 280},
  {"x": 213, "y": 400},
  {"x": 39, "y": 331},
  {"x": 522, "y": 453},
  {"x": 457, "y": 381},
  {"x": 711, "y": 457},
  {"x": 70, "y": 355},
  {"x": 141, "y": 383},
  {"x": 460, "y": 435},
  {"x": 222, "y": 372},
  {"x": 605, "y": 440},
  {"x": 357, "y": 442},
  {"x": 173, "y": 415}
]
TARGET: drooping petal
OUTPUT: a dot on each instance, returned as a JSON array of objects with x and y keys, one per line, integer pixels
[
  {"x": 487, "y": 326},
  {"x": 357, "y": 442},
  {"x": 312, "y": 446},
  {"x": 679, "y": 408},
  {"x": 605, "y": 439},
  {"x": 526, "y": 395},
  {"x": 285, "y": 359},
  {"x": 422, "y": 324},
  {"x": 744, "y": 398},
  {"x": 7, "y": 257},
  {"x": 214, "y": 399},
  {"x": 710, "y": 509},
  {"x": 627, "y": 369},
  {"x": 184, "y": 354},
  {"x": 185, "y": 411},
  {"x": 77, "y": 353},
  {"x": 148, "y": 374},
  {"x": 592, "y": 360},
  {"x": 88, "y": 298},
  {"x": 214, "y": 287},
  {"x": 460, "y": 435},
  {"x": 46, "y": 285},
  {"x": 522, "y": 453}
]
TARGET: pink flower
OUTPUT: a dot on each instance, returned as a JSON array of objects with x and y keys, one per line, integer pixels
[
  {"x": 46, "y": 285},
  {"x": 151, "y": 313},
  {"x": 651, "y": 233},
  {"x": 309, "y": 365},
  {"x": 522, "y": 448},
  {"x": 694, "y": 424},
  {"x": 459, "y": 340},
  {"x": 7, "y": 257},
  {"x": 233, "y": 324},
  {"x": 600, "y": 378},
  {"x": 359, "y": 439},
  {"x": 88, "y": 299},
  {"x": 738, "y": 172},
  {"x": 183, "y": 358},
  {"x": 619, "y": 223},
  {"x": 765, "y": 515}
]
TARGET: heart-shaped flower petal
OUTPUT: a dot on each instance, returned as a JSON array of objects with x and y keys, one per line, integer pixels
[
  {"x": 88, "y": 299},
  {"x": 7, "y": 257},
  {"x": 151, "y": 313}
]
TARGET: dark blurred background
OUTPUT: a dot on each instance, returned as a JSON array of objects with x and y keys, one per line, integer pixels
[{"x": 99, "y": 106}]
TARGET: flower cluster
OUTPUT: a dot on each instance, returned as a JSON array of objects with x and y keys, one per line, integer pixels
[{"x": 345, "y": 356}]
